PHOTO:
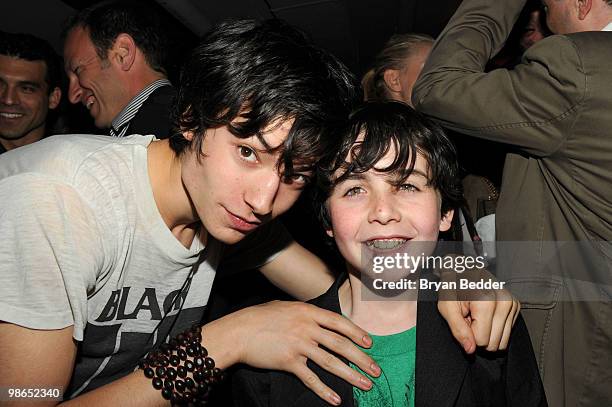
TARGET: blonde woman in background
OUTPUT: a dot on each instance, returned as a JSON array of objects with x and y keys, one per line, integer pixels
[{"x": 397, "y": 67}]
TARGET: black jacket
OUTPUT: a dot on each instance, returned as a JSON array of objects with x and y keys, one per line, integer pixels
[
  {"x": 445, "y": 376},
  {"x": 153, "y": 117}
]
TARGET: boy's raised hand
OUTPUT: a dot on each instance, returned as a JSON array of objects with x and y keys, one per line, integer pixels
[
  {"x": 478, "y": 317},
  {"x": 283, "y": 335}
]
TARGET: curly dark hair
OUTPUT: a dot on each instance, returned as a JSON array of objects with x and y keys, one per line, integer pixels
[
  {"x": 384, "y": 125},
  {"x": 264, "y": 72}
]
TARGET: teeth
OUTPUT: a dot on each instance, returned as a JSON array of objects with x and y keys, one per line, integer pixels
[
  {"x": 385, "y": 243},
  {"x": 11, "y": 115}
]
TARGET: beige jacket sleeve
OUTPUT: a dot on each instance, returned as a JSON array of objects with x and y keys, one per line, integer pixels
[{"x": 530, "y": 107}]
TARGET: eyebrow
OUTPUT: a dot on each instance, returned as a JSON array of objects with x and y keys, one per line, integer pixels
[
  {"x": 30, "y": 83},
  {"x": 359, "y": 176},
  {"x": 418, "y": 173}
]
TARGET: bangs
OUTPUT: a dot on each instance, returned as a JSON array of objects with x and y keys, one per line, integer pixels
[
  {"x": 301, "y": 150},
  {"x": 363, "y": 152}
]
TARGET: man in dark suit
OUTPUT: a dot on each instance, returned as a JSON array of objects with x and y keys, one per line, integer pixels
[
  {"x": 553, "y": 110},
  {"x": 114, "y": 56}
]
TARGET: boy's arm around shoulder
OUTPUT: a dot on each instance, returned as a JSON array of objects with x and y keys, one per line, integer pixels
[
  {"x": 298, "y": 272},
  {"x": 283, "y": 261}
]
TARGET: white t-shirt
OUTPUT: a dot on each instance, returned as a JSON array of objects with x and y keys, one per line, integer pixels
[{"x": 83, "y": 244}]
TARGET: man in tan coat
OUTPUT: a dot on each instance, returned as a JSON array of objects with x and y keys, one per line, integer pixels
[{"x": 554, "y": 217}]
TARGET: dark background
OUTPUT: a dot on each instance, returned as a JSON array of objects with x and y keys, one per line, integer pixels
[{"x": 354, "y": 30}]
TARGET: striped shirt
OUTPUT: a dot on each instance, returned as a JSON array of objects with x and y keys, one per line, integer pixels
[{"x": 121, "y": 123}]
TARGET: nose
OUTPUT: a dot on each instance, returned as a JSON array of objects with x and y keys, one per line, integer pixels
[
  {"x": 8, "y": 95},
  {"x": 382, "y": 210},
  {"x": 262, "y": 192},
  {"x": 74, "y": 90}
]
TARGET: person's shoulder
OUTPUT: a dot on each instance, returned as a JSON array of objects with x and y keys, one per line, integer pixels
[
  {"x": 62, "y": 156},
  {"x": 554, "y": 47},
  {"x": 574, "y": 46}
]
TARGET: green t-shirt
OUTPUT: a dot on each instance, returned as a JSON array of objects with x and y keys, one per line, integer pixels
[{"x": 395, "y": 354}]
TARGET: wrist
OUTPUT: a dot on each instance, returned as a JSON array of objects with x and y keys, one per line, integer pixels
[{"x": 222, "y": 338}]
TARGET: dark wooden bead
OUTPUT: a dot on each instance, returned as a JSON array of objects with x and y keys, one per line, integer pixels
[
  {"x": 171, "y": 373},
  {"x": 181, "y": 371},
  {"x": 167, "y": 394},
  {"x": 199, "y": 376},
  {"x": 169, "y": 384},
  {"x": 182, "y": 354},
  {"x": 198, "y": 362},
  {"x": 148, "y": 372},
  {"x": 189, "y": 383},
  {"x": 179, "y": 385},
  {"x": 164, "y": 361},
  {"x": 158, "y": 383},
  {"x": 202, "y": 389},
  {"x": 189, "y": 397},
  {"x": 209, "y": 363},
  {"x": 189, "y": 365},
  {"x": 204, "y": 352},
  {"x": 160, "y": 371},
  {"x": 196, "y": 328},
  {"x": 191, "y": 350},
  {"x": 177, "y": 399},
  {"x": 216, "y": 372},
  {"x": 175, "y": 360}
]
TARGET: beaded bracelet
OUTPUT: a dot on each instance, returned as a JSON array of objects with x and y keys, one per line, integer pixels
[{"x": 182, "y": 369}]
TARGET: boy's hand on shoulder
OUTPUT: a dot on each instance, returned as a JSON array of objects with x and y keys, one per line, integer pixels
[
  {"x": 481, "y": 317},
  {"x": 284, "y": 335}
]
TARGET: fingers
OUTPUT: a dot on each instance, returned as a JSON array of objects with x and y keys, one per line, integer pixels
[
  {"x": 342, "y": 325},
  {"x": 493, "y": 320},
  {"x": 505, "y": 340},
  {"x": 455, "y": 314},
  {"x": 315, "y": 384},
  {"x": 348, "y": 350},
  {"x": 502, "y": 316}
]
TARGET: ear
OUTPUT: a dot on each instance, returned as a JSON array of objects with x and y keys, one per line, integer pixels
[
  {"x": 584, "y": 7},
  {"x": 392, "y": 79},
  {"x": 54, "y": 98},
  {"x": 446, "y": 221},
  {"x": 124, "y": 50},
  {"x": 188, "y": 135}
]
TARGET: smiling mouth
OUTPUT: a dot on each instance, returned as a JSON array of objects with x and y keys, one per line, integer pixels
[
  {"x": 385, "y": 244},
  {"x": 11, "y": 115}
]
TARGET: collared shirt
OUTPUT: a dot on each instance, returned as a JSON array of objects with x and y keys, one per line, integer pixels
[
  {"x": 608, "y": 27},
  {"x": 121, "y": 123}
]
